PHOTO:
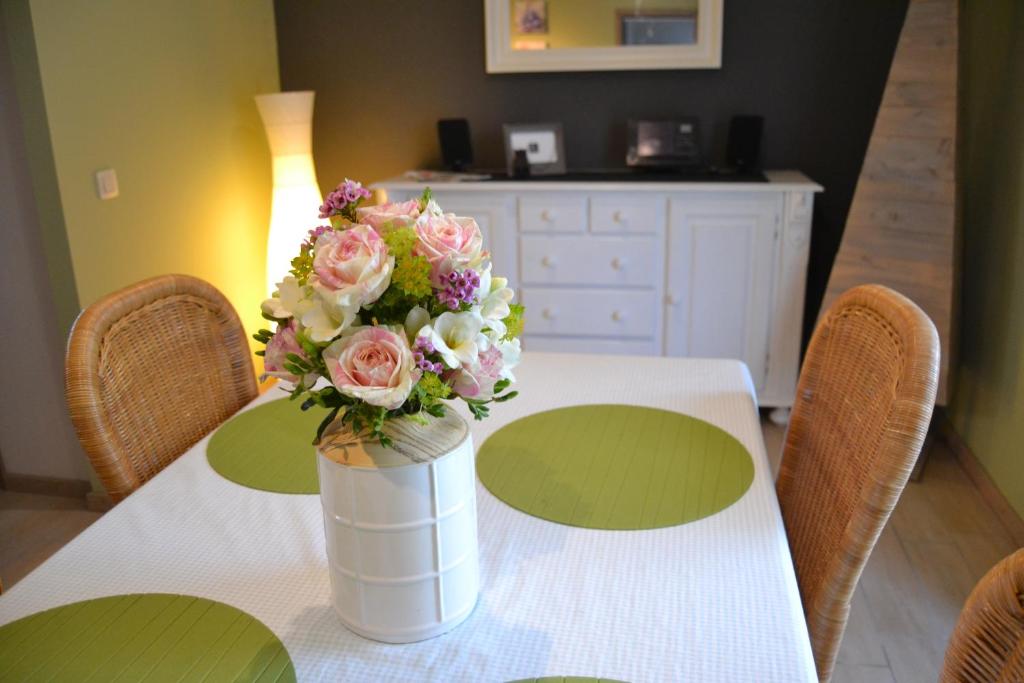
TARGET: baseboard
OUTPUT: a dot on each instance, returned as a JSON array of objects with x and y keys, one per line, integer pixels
[
  {"x": 995, "y": 499},
  {"x": 46, "y": 486}
]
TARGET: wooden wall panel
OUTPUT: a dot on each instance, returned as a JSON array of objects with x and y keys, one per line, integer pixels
[{"x": 903, "y": 224}]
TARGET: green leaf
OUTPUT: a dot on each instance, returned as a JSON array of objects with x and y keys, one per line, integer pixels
[
  {"x": 506, "y": 397},
  {"x": 324, "y": 424}
]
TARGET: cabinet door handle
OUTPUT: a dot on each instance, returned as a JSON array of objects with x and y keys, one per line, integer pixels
[
  {"x": 547, "y": 262},
  {"x": 545, "y": 215},
  {"x": 671, "y": 300},
  {"x": 618, "y": 217},
  {"x": 547, "y": 314},
  {"x": 616, "y": 316},
  {"x": 617, "y": 263}
]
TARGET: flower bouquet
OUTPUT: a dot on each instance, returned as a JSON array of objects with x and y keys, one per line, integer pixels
[{"x": 395, "y": 306}]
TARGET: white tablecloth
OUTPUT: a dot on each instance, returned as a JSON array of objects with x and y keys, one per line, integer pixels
[{"x": 713, "y": 600}]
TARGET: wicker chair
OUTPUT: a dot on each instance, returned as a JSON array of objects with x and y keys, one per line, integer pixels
[
  {"x": 151, "y": 369},
  {"x": 863, "y": 404},
  {"x": 988, "y": 641}
]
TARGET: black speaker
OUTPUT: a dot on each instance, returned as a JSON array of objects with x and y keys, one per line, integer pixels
[
  {"x": 743, "y": 150},
  {"x": 456, "y": 149}
]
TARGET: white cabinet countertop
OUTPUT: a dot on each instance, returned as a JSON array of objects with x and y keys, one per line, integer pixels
[{"x": 777, "y": 180}]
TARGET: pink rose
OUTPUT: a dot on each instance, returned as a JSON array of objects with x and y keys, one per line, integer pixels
[
  {"x": 373, "y": 364},
  {"x": 477, "y": 380},
  {"x": 351, "y": 267},
  {"x": 384, "y": 217},
  {"x": 280, "y": 345},
  {"x": 450, "y": 243}
]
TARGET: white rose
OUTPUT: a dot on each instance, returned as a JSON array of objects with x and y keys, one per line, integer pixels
[
  {"x": 372, "y": 364},
  {"x": 351, "y": 267}
]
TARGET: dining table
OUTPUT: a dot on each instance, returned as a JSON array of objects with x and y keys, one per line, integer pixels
[{"x": 715, "y": 599}]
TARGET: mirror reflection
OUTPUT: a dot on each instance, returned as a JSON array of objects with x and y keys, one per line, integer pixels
[{"x": 553, "y": 24}]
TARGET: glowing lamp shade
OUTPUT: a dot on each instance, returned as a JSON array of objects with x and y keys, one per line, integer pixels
[{"x": 288, "y": 119}]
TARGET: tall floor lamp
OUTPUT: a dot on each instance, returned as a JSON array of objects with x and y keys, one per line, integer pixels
[{"x": 288, "y": 119}]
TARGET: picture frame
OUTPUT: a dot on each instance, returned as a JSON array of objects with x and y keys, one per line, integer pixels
[
  {"x": 543, "y": 143},
  {"x": 506, "y": 53}
]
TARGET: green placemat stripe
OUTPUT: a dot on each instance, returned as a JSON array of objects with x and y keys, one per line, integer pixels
[
  {"x": 615, "y": 467},
  {"x": 269, "y": 448},
  {"x": 566, "y": 679},
  {"x": 150, "y": 637}
]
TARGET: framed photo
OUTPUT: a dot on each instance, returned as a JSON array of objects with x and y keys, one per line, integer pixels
[
  {"x": 542, "y": 143},
  {"x": 530, "y": 16}
]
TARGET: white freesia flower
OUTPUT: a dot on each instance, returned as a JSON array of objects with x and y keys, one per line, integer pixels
[
  {"x": 432, "y": 208},
  {"x": 415, "y": 320},
  {"x": 286, "y": 299},
  {"x": 457, "y": 337},
  {"x": 322, "y": 319},
  {"x": 510, "y": 350},
  {"x": 494, "y": 295},
  {"x": 510, "y": 355}
]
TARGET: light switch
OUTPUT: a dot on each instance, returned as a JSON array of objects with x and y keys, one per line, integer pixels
[{"x": 106, "y": 183}]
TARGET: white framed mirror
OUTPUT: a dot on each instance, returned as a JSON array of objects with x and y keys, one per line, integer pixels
[{"x": 602, "y": 35}]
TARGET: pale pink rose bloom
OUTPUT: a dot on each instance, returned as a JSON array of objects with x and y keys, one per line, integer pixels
[
  {"x": 450, "y": 243},
  {"x": 373, "y": 364},
  {"x": 351, "y": 267},
  {"x": 390, "y": 216},
  {"x": 280, "y": 345},
  {"x": 477, "y": 380}
]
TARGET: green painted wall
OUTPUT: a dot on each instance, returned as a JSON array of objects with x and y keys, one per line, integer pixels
[
  {"x": 162, "y": 92},
  {"x": 988, "y": 407}
]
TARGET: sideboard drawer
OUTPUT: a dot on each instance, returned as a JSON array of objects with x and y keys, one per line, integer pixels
[
  {"x": 552, "y": 213},
  {"x": 598, "y": 261},
  {"x": 617, "y": 213},
  {"x": 590, "y": 313}
]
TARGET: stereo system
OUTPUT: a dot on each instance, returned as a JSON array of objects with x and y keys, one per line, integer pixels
[
  {"x": 651, "y": 144},
  {"x": 456, "y": 148}
]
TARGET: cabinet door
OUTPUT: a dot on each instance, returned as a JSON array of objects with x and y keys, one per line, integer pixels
[{"x": 719, "y": 280}]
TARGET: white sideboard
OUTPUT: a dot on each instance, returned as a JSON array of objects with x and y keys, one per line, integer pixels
[{"x": 704, "y": 269}]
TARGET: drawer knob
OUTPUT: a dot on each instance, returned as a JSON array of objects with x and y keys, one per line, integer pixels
[
  {"x": 545, "y": 215},
  {"x": 547, "y": 314},
  {"x": 617, "y": 263},
  {"x": 617, "y": 217},
  {"x": 671, "y": 300},
  {"x": 616, "y": 316},
  {"x": 547, "y": 262}
]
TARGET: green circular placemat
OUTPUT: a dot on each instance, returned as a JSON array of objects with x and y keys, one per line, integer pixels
[
  {"x": 615, "y": 467},
  {"x": 269, "y": 448},
  {"x": 566, "y": 679},
  {"x": 142, "y": 637}
]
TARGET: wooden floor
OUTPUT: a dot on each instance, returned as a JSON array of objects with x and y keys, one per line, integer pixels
[
  {"x": 33, "y": 527},
  {"x": 941, "y": 540}
]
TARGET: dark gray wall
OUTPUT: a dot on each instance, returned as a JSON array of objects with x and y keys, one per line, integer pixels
[{"x": 386, "y": 70}]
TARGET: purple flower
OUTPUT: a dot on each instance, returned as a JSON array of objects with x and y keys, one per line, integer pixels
[
  {"x": 459, "y": 288},
  {"x": 314, "y": 234},
  {"x": 344, "y": 194}
]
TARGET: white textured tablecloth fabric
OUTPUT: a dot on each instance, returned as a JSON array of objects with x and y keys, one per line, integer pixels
[{"x": 712, "y": 600}]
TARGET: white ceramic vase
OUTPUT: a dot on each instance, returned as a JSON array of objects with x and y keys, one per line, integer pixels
[{"x": 401, "y": 529}]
